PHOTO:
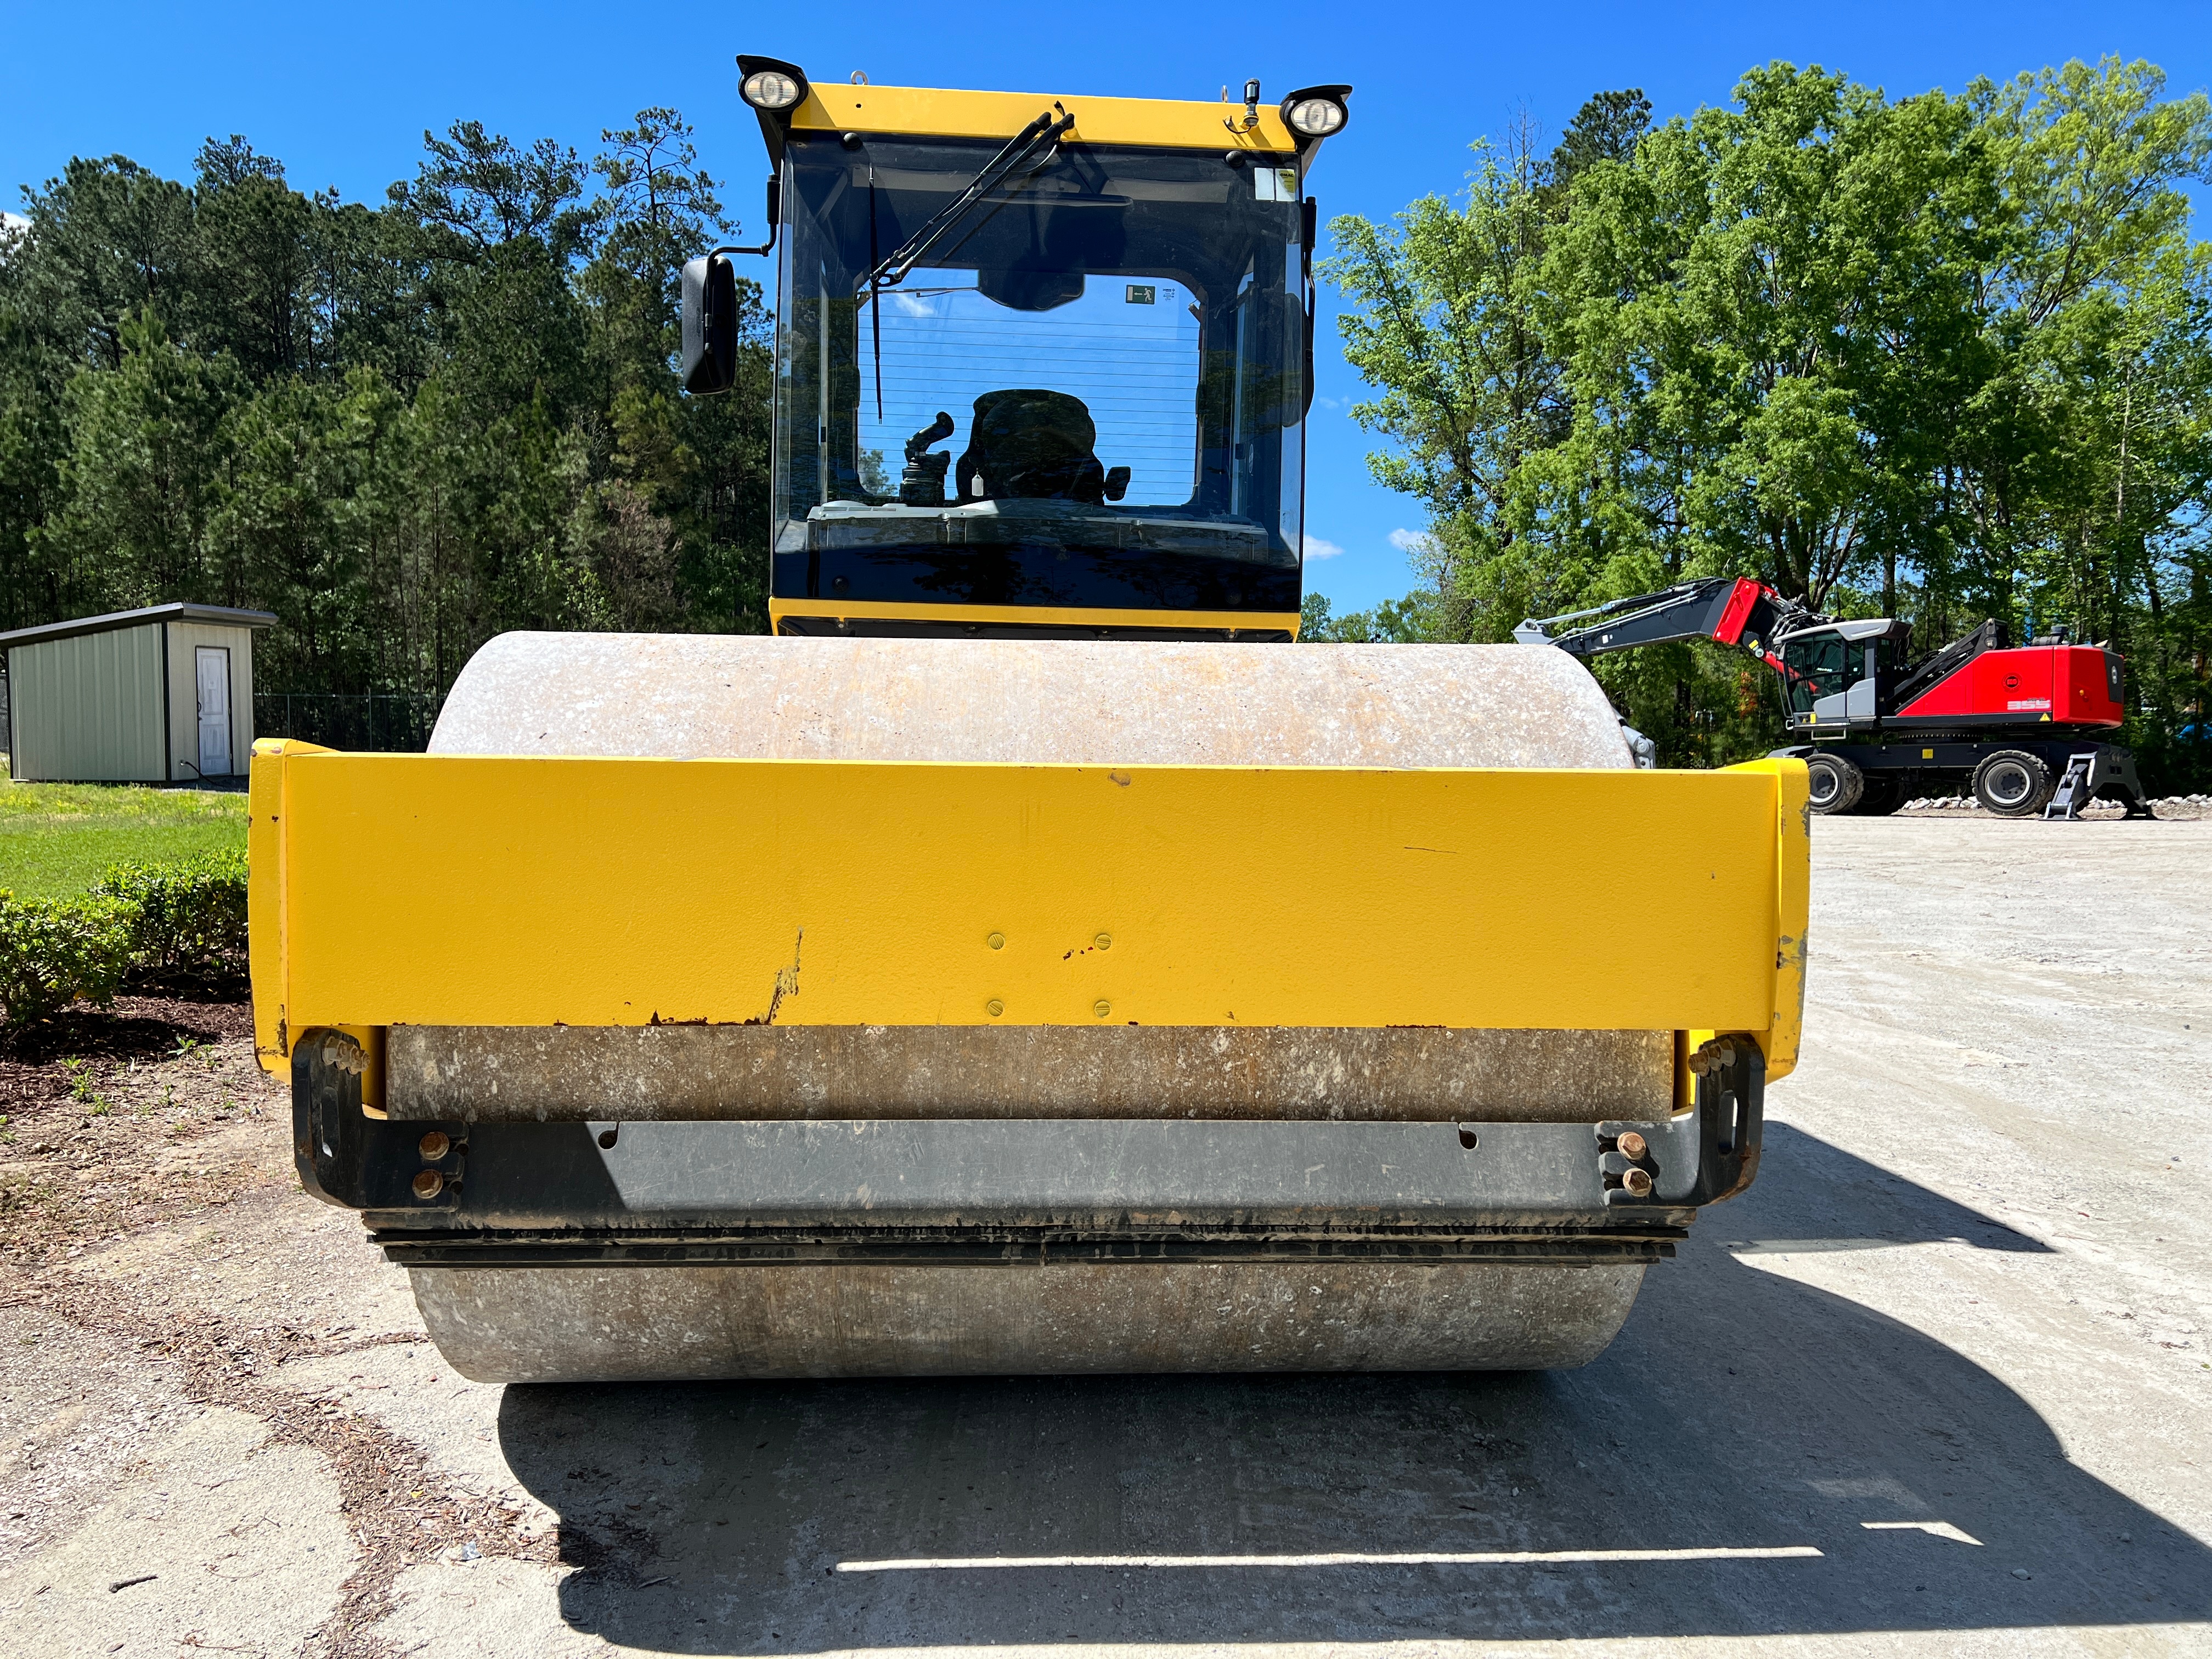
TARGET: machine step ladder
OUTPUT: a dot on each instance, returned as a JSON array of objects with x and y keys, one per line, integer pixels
[{"x": 2073, "y": 790}]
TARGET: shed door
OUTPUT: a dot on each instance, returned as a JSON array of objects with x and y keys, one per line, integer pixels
[{"x": 215, "y": 711}]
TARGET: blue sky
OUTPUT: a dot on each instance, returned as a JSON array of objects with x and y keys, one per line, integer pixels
[{"x": 343, "y": 96}]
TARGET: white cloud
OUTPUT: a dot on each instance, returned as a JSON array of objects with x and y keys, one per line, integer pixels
[
  {"x": 13, "y": 221},
  {"x": 1318, "y": 549},
  {"x": 1413, "y": 541}
]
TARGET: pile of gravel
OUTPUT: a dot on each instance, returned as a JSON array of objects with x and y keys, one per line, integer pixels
[{"x": 2170, "y": 807}]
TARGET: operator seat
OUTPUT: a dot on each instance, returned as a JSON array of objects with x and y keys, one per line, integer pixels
[{"x": 1030, "y": 444}]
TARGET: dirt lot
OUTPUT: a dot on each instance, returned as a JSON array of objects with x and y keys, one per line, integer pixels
[{"x": 1939, "y": 1383}]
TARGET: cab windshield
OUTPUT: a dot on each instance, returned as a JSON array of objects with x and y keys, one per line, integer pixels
[
  {"x": 1087, "y": 391},
  {"x": 1815, "y": 667}
]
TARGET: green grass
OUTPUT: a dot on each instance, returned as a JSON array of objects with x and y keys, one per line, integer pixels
[{"x": 57, "y": 839}]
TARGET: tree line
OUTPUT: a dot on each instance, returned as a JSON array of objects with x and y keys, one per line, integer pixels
[
  {"x": 1942, "y": 357},
  {"x": 403, "y": 429},
  {"x": 1948, "y": 357}
]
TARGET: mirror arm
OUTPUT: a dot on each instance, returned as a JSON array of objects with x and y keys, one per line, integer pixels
[{"x": 775, "y": 218}]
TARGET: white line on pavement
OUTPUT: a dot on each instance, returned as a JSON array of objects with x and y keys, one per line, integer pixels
[{"x": 1337, "y": 1559}]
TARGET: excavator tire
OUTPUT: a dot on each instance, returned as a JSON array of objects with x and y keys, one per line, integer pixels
[
  {"x": 1878, "y": 797},
  {"x": 2014, "y": 783},
  {"x": 1836, "y": 785}
]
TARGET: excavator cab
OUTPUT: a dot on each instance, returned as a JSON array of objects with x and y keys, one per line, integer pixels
[
  {"x": 1042, "y": 365},
  {"x": 1836, "y": 674}
]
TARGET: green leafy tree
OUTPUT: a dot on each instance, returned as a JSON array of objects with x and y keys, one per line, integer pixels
[
  {"x": 1410, "y": 621},
  {"x": 1942, "y": 356},
  {"x": 108, "y": 241},
  {"x": 1447, "y": 331},
  {"x": 401, "y": 428},
  {"x": 253, "y": 257}
]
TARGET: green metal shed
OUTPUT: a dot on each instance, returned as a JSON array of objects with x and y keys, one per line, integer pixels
[{"x": 164, "y": 695}]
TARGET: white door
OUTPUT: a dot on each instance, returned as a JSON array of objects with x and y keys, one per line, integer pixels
[{"x": 215, "y": 711}]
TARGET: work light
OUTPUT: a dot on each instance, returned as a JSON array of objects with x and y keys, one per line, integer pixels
[
  {"x": 773, "y": 90},
  {"x": 1316, "y": 117}
]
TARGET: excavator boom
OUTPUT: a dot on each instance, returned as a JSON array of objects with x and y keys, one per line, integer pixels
[{"x": 1730, "y": 609}]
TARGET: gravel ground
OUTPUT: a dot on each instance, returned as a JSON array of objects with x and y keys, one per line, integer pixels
[{"x": 1954, "y": 1341}]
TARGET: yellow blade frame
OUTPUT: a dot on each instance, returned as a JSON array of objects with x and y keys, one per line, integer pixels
[{"x": 459, "y": 891}]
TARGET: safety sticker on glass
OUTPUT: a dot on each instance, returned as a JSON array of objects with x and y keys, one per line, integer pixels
[
  {"x": 1141, "y": 294},
  {"x": 1275, "y": 184}
]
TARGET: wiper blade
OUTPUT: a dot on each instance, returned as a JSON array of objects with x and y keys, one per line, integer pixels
[{"x": 1043, "y": 134}]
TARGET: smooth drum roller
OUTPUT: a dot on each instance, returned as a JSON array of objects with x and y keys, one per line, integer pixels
[
  {"x": 1029, "y": 958},
  {"x": 1269, "y": 1089}
]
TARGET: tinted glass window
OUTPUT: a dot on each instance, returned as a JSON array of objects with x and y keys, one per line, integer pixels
[
  {"x": 1816, "y": 668},
  {"x": 1114, "y": 342}
]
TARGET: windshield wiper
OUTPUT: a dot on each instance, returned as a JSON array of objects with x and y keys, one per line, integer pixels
[{"x": 1041, "y": 134}]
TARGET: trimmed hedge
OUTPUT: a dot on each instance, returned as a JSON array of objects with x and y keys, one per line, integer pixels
[
  {"x": 57, "y": 951},
  {"x": 192, "y": 913},
  {"x": 183, "y": 917}
]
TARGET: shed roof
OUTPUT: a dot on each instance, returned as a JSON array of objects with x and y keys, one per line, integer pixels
[{"x": 222, "y": 616}]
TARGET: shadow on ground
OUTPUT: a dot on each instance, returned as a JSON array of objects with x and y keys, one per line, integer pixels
[
  {"x": 146, "y": 1024},
  {"x": 1738, "y": 1409}
]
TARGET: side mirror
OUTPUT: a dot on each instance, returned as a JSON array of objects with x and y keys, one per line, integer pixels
[
  {"x": 710, "y": 325},
  {"x": 1279, "y": 358}
]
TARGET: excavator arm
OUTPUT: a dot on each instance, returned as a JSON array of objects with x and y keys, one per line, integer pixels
[{"x": 1730, "y": 609}]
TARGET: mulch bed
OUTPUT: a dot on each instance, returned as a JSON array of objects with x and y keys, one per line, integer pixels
[{"x": 152, "y": 1027}]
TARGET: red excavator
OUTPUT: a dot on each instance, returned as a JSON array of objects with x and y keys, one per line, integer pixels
[{"x": 2018, "y": 725}]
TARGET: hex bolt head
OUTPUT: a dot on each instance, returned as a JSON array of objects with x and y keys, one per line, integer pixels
[
  {"x": 1104, "y": 941},
  {"x": 435, "y": 1145},
  {"x": 1633, "y": 1144},
  {"x": 994, "y": 1007},
  {"x": 1102, "y": 1007},
  {"x": 997, "y": 941},
  {"x": 1714, "y": 1056},
  {"x": 1637, "y": 1183},
  {"x": 428, "y": 1183}
]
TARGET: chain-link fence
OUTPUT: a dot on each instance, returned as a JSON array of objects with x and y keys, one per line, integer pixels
[{"x": 352, "y": 720}]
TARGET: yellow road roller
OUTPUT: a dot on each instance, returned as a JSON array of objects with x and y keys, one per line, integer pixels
[{"x": 1026, "y": 958}]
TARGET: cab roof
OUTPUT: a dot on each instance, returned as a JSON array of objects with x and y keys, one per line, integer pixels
[{"x": 936, "y": 113}]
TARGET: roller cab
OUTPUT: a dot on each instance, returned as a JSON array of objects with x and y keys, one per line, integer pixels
[{"x": 1042, "y": 362}]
